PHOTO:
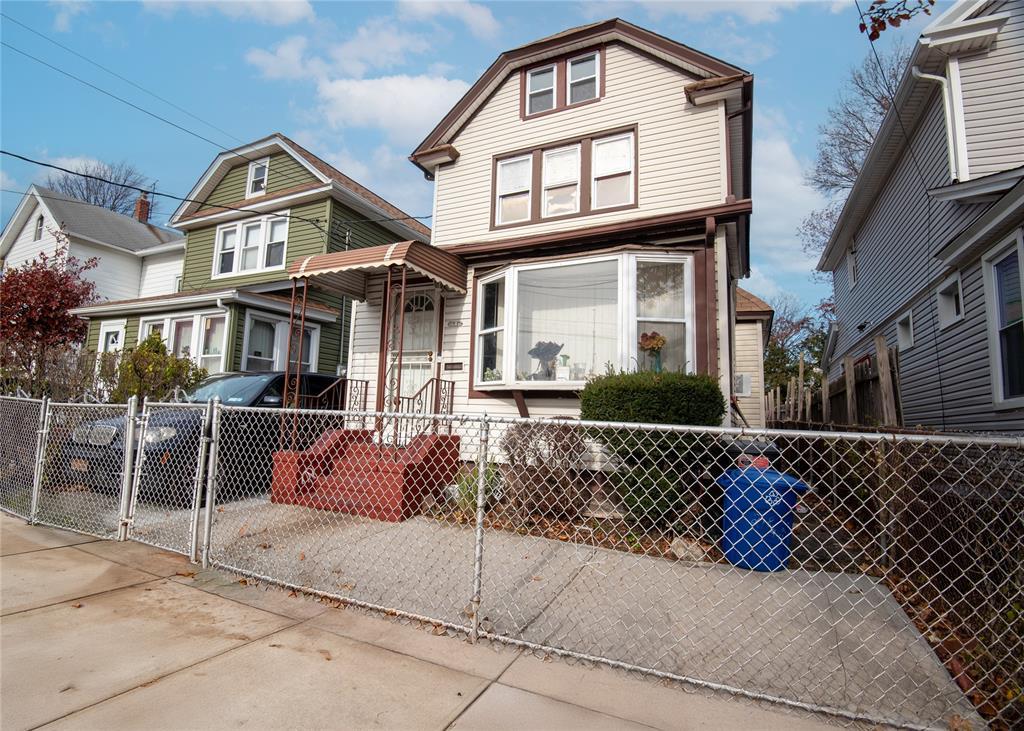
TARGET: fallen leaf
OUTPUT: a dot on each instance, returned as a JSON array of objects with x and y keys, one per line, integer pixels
[
  {"x": 264, "y": 546},
  {"x": 241, "y": 531},
  {"x": 326, "y": 654},
  {"x": 77, "y": 605},
  {"x": 439, "y": 629},
  {"x": 302, "y": 556},
  {"x": 186, "y": 574},
  {"x": 220, "y": 510},
  {"x": 293, "y": 593},
  {"x": 243, "y": 582}
]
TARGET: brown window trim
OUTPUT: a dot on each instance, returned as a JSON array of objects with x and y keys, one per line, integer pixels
[
  {"x": 705, "y": 317},
  {"x": 561, "y": 64},
  {"x": 537, "y": 180}
]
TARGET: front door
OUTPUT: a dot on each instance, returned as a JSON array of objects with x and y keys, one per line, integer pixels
[{"x": 419, "y": 338}]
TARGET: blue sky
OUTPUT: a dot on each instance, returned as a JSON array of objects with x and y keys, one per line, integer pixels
[{"x": 361, "y": 83}]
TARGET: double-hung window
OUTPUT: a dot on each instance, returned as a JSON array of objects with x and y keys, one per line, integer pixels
[
  {"x": 1004, "y": 285},
  {"x": 256, "y": 181},
  {"x": 515, "y": 177},
  {"x": 612, "y": 168},
  {"x": 583, "y": 78},
  {"x": 266, "y": 340},
  {"x": 199, "y": 336},
  {"x": 554, "y": 325},
  {"x": 540, "y": 89},
  {"x": 251, "y": 246},
  {"x": 561, "y": 181}
]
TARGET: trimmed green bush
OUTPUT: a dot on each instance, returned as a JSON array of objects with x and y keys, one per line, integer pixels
[
  {"x": 653, "y": 398},
  {"x": 151, "y": 371},
  {"x": 658, "y": 475}
]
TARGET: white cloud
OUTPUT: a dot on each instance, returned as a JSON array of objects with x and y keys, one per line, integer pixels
[
  {"x": 744, "y": 50},
  {"x": 403, "y": 107},
  {"x": 7, "y": 181},
  {"x": 287, "y": 60},
  {"x": 476, "y": 17},
  {"x": 761, "y": 284},
  {"x": 66, "y": 12},
  {"x": 377, "y": 44},
  {"x": 781, "y": 199},
  {"x": 268, "y": 12},
  {"x": 750, "y": 11}
]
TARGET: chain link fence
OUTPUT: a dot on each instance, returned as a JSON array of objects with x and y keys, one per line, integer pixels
[
  {"x": 87, "y": 452},
  {"x": 21, "y": 423},
  {"x": 169, "y": 475},
  {"x": 872, "y": 577}
]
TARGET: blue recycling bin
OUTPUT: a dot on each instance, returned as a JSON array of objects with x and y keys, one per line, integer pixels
[{"x": 757, "y": 517}]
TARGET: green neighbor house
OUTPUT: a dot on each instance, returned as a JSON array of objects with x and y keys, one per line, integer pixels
[{"x": 254, "y": 211}]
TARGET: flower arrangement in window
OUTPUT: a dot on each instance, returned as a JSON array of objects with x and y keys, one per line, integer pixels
[
  {"x": 652, "y": 343},
  {"x": 492, "y": 374}
]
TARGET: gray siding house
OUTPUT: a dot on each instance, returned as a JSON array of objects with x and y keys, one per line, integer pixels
[{"x": 928, "y": 248}]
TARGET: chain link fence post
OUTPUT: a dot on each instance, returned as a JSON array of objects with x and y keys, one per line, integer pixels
[
  {"x": 211, "y": 482},
  {"x": 138, "y": 466},
  {"x": 197, "y": 494},
  {"x": 37, "y": 470},
  {"x": 481, "y": 506},
  {"x": 127, "y": 471}
]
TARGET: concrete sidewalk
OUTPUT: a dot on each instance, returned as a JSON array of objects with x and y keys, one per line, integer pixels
[{"x": 97, "y": 634}]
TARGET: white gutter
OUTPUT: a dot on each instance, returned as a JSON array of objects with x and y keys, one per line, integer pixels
[{"x": 947, "y": 111}]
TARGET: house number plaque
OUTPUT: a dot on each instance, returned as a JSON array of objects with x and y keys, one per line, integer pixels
[{"x": 453, "y": 366}]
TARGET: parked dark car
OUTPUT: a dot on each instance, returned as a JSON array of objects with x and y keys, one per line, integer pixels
[{"x": 94, "y": 453}]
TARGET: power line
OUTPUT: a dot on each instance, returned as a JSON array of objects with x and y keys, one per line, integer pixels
[
  {"x": 119, "y": 76},
  {"x": 296, "y": 176},
  {"x": 73, "y": 200}
]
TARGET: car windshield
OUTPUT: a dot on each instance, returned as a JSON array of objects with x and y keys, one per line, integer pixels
[{"x": 231, "y": 389}]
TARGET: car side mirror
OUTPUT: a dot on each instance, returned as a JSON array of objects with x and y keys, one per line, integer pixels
[{"x": 271, "y": 399}]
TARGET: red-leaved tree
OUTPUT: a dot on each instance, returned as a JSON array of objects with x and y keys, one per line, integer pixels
[{"x": 35, "y": 320}]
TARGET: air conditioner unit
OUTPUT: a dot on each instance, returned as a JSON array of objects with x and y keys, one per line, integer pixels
[{"x": 741, "y": 384}]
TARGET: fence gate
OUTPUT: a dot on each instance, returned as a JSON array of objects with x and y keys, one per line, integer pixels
[
  {"x": 169, "y": 472},
  {"x": 86, "y": 456},
  {"x": 21, "y": 423}
]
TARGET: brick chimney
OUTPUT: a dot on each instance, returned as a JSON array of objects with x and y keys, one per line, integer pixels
[{"x": 142, "y": 206}]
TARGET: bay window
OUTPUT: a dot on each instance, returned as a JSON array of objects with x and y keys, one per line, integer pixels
[
  {"x": 255, "y": 245},
  {"x": 514, "y": 182},
  {"x": 612, "y": 172},
  {"x": 540, "y": 90},
  {"x": 555, "y": 325},
  {"x": 562, "y": 181}
]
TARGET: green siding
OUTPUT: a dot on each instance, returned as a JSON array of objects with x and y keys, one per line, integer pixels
[
  {"x": 131, "y": 333},
  {"x": 285, "y": 172},
  {"x": 362, "y": 232},
  {"x": 92, "y": 340},
  {"x": 304, "y": 238}
]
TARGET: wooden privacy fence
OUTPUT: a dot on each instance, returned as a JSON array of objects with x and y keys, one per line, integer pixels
[{"x": 866, "y": 394}]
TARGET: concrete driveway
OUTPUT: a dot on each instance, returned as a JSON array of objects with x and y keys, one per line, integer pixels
[{"x": 110, "y": 635}]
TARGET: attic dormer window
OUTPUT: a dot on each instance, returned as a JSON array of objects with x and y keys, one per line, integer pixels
[
  {"x": 540, "y": 90},
  {"x": 38, "y": 233},
  {"x": 257, "y": 181},
  {"x": 582, "y": 78}
]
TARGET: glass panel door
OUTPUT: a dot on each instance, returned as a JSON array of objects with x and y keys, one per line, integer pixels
[{"x": 419, "y": 332}]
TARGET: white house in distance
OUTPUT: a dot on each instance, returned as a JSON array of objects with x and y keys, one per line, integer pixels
[{"x": 136, "y": 258}]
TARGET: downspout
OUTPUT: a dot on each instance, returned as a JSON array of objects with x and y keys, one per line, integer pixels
[{"x": 947, "y": 110}]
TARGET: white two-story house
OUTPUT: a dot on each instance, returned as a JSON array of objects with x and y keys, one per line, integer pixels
[
  {"x": 928, "y": 250},
  {"x": 590, "y": 188}
]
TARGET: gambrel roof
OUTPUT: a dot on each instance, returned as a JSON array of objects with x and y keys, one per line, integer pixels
[{"x": 690, "y": 60}]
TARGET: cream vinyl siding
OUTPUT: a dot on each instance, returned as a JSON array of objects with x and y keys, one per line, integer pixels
[
  {"x": 679, "y": 149},
  {"x": 159, "y": 272},
  {"x": 750, "y": 360},
  {"x": 993, "y": 97}
]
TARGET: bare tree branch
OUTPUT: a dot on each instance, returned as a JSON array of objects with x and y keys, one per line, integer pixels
[{"x": 106, "y": 195}]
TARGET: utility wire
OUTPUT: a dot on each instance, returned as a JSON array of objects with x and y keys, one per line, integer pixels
[
  {"x": 115, "y": 74},
  {"x": 186, "y": 130}
]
